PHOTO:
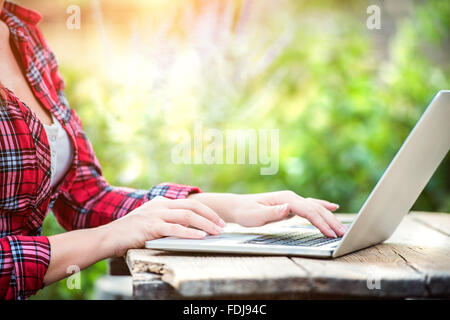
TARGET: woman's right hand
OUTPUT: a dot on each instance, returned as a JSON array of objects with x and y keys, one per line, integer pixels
[{"x": 161, "y": 217}]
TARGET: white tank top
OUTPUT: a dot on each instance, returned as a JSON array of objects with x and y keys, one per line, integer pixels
[{"x": 61, "y": 150}]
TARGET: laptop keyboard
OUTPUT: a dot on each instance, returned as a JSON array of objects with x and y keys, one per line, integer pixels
[{"x": 293, "y": 239}]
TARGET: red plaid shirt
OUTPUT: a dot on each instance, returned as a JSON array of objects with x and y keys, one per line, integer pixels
[{"x": 83, "y": 199}]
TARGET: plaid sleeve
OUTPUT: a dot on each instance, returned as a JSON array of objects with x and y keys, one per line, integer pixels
[{"x": 24, "y": 260}]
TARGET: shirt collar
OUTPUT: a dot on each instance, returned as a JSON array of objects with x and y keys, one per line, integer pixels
[{"x": 27, "y": 16}]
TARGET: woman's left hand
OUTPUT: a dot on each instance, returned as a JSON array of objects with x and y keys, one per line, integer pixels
[{"x": 252, "y": 210}]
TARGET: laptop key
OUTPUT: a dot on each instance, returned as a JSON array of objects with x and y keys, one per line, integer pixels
[{"x": 293, "y": 239}]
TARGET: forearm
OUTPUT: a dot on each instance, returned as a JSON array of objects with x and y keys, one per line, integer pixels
[{"x": 80, "y": 248}]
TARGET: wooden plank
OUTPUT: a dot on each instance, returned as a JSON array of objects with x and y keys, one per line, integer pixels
[
  {"x": 425, "y": 246},
  {"x": 209, "y": 275},
  {"x": 147, "y": 282},
  {"x": 374, "y": 272},
  {"x": 414, "y": 262},
  {"x": 149, "y": 286},
  {"x": 414, "y": 232}
]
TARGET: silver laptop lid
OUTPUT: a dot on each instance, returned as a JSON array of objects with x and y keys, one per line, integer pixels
[{"x": 403, "y": 180}]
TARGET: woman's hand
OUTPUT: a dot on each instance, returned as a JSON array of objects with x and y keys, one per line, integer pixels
[
  {"x": 203, "y": 213},
  {"x": 162, "y": 217},
  {"x": 254, "y": 210}
]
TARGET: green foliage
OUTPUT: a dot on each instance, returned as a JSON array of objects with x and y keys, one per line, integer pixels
[{"x": 343, "y": 104}]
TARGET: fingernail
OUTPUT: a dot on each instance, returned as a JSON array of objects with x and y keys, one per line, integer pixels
[
  {"x": 333, "y": 234},
  {"x": 218, "y": 229},
  {"x": 334, "y": 205},
  {"x": 342, "y": 228},
  {"x": 222, "y": 223}
]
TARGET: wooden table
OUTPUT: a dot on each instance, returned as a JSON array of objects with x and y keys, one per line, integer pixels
[{"x": 414, "y": 262}]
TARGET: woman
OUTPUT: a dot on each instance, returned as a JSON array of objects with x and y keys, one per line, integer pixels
[{"x": 46, "y": 162}]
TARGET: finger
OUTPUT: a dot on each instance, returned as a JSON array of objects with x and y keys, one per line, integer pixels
[
  {"x": 179, "y": 231},
  {"x": 328, "y": 205},
  {"x": 307, "y": 211},
  {"x": 190, "y": 218},
  {"x": 197, "y": 207},
  {"x": 330, "y": 219}
]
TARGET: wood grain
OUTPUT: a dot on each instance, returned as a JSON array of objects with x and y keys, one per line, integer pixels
[
  {"x": 439, "y": 221},
  {"x": 207, "y": 275}
]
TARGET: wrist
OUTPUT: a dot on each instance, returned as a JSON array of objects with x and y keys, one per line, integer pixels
[
  {"x": 222, "y": 203},
  {"x": 106, "y": 240}
]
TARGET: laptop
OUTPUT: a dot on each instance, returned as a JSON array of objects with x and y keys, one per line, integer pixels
[{"x": 390, "y": 200}]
